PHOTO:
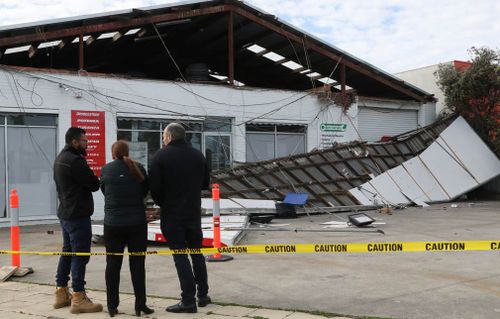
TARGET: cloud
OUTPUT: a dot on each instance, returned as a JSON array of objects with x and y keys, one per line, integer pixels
[
  {"x": 390, "y": 34},
  {"x": 397, "y": 35}
]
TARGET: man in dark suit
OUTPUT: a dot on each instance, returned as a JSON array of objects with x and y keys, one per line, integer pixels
[{"x": 178, "y": 174}]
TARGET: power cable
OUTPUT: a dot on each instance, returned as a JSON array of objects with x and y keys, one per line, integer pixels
[
  {"x": 65, "y": 83},
  {"x": 21, "y": 107},
  {"x": 274, "y": 110}
]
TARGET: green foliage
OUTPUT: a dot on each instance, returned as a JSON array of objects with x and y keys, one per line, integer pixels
[{"x": 474, "y": 93}]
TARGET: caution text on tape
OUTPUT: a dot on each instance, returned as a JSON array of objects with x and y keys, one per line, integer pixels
[{"x": 371, "y": 247}]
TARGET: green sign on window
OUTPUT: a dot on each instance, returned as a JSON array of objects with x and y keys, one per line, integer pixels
[{"x": 332, "y": 127}]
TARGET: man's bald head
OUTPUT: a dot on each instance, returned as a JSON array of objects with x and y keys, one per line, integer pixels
[{"x": 173, "y": 132}]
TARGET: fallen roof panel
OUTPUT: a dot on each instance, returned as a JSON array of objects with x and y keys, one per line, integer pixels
[
  {"x": 457, "y": 162},
  {"x": 326, "y": 175}
]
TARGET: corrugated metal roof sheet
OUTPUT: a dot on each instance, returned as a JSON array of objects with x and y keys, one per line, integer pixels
[{"x": 326, "y": 175}]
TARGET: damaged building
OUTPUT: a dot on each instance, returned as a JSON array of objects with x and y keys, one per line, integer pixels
[{"x": 247, "y": 86}]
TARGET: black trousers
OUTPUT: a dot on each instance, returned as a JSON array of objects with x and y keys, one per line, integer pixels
[
  {"x": 181, "y": 235},
  {"x": 116, "y": 238}
]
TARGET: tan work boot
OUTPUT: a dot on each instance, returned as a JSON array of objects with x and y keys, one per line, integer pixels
[
  {"x": 81, "y": 303},
  {"x": 63, "y": 297}
]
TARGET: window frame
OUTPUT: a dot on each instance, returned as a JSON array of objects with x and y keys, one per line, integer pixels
[
  {"x": 275, "y": 134},
  {"x": 165, "y": 121}
]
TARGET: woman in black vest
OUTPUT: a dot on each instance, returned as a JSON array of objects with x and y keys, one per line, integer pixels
[{"x": 124, "y": 184}]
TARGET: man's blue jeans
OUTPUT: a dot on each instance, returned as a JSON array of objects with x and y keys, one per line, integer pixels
[{"x": 77, "y": 237}]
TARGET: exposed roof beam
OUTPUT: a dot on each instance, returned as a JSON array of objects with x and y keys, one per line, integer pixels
[
  {"x": 192, "y": 30},
  {"x": 141, "y": 32},
  {"x": 261, "y": 53},
  {"x": 257, "y": 70},
  {"x": 238, "y": 43},
  {"x": 299, "y": 69},
  {"x": 151, "y": 37},
  {"x": 91, "y": 39},
  {"x": 118, "y": 36},
  {"x": 281, "y": 61},
  {"x": 205, "y": 44},
  {"x": 64, "y": 42},
  {"x": 109, "y": 26},
  {"x": 325, "y": 52},
  {"x": 32, "y": 50},
  {"x": 317, "y": 77}
]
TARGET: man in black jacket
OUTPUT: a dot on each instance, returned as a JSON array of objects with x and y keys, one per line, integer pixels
[
  {"x": 177, "y": 175},
  {"x": 75, "y": 183}
]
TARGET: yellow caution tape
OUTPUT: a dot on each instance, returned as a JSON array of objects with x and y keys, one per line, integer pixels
[{"x": 371, "y": 247}]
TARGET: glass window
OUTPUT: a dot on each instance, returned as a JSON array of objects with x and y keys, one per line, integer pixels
[
  {"x": 218, "y": 151},
  {"x": 188, "y": 125},
  {"x": 32, "y": 119},
  {"x": 145, "y": 137},
  {"x": 31, "y": 154},
  {"x": 260, "y": 147},
  {"x": 217, "y": 125},
  {"x": 192, "y": 126},
  {"x": 152, "y": 144},
  {"x": 194, "y": 139},
  {"x": 124, "y": 135},
  {"x": 291, "y": 128},
  {"x": 139, "y": 124},
  {"x": 289, "y": 144},
  {"x": 268, "y": 141},
  {"x": 261, "y": 128}
]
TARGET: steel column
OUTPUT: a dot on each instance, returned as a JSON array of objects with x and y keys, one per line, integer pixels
[{"x": 230, "y": 48}]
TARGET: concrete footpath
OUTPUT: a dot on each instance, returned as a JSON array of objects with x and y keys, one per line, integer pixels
[
  {"x": 419, "y": 285},
  {"x": 34, "y": 301}
]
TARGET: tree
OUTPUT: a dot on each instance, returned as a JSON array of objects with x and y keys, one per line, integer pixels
[{"x": 474, "y": 93}]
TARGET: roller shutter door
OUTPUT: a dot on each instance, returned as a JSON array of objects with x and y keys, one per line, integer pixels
[{"x": 373, "y": 123}]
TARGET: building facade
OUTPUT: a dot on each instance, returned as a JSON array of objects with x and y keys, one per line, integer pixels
[{"x": 264, "y": 89}]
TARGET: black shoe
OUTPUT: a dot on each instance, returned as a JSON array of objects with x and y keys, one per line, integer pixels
[
  {"x": 145, "y": 309},
  {"x": 112, "y": 312},
  {"x": 182, "y": 307},
  {"x": 203, "y": 301}
]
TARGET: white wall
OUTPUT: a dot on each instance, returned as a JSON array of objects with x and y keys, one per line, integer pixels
[
  {"x": 425, "y": 79},
  {"x": 58, "y": 93}
]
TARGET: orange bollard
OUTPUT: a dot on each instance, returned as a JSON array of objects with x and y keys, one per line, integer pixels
[
  {"x": 216, "y": 221},
  {"x": 216, "y": 217},
  {"x": 14, "y": 228}
]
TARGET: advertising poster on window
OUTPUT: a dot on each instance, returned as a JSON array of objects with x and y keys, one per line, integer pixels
[
  {"x": 331, "y": 133},
  {"x": 93, "y": 123},
  {"x": 139, "y": 152}
]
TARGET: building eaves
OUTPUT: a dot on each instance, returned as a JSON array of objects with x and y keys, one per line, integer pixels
[{"x": 361, "y": 75}]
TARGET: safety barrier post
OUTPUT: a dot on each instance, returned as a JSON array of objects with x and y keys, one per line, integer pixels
[
  {"x": 14, "y": 228},
  {"x": 216, "y": 227}
]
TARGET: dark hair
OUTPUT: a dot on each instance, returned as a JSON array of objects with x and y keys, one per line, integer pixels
[
  {"x": 176, "y": 131},
  {"x": 74, "y": 133},
  {"x": 120, "y": 150}
]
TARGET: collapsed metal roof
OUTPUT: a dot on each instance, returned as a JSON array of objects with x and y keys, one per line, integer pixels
[
  {"x": 235, "y": 40},
  {"x": 326, "y": 175}
]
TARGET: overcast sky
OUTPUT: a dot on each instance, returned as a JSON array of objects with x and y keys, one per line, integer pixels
[{"x": 393, "y": 35}]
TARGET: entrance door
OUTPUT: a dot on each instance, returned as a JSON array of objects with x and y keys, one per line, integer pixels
[
  {"x": 31, "y": 150},
  {"x": 31, "y": 153}
]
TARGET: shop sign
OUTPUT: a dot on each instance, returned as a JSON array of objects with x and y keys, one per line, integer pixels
[
  {"x": 333, "y": 127},
  {"x": 93, "y": 122}
]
